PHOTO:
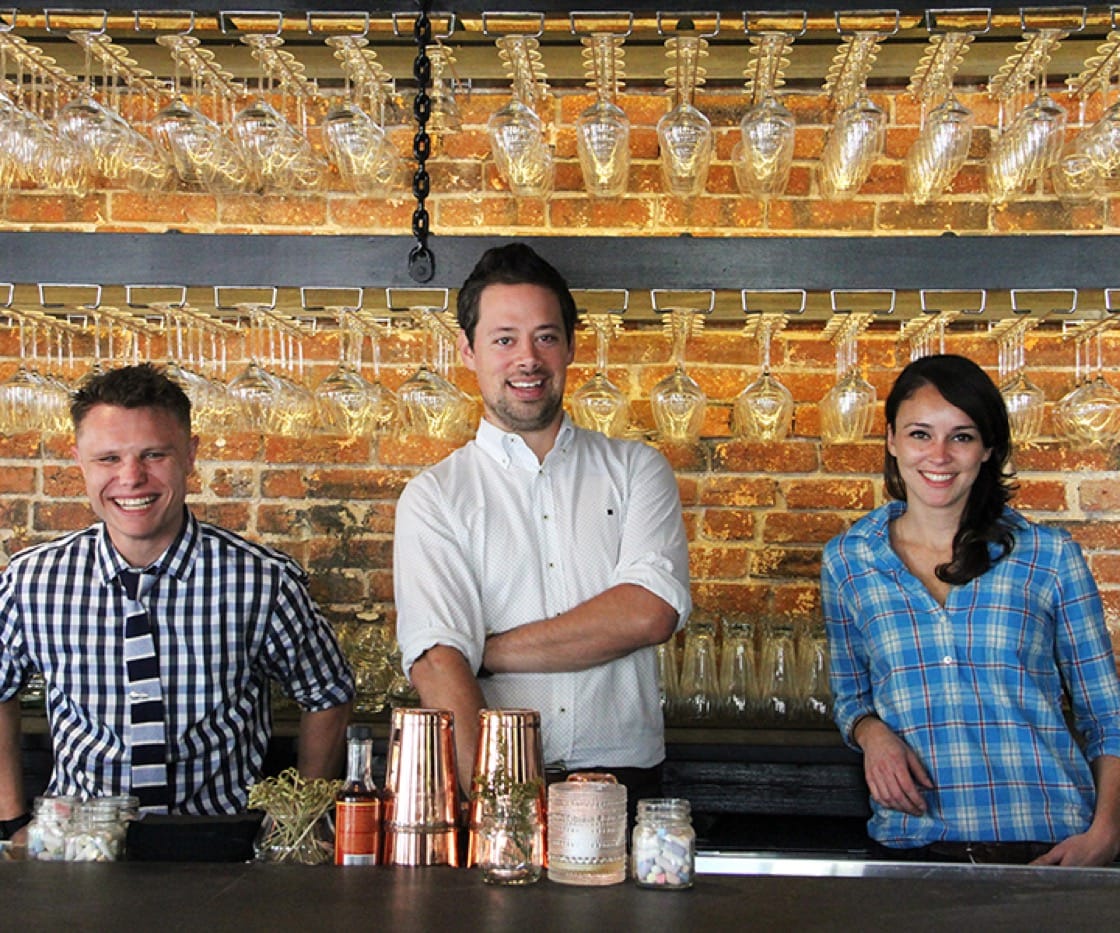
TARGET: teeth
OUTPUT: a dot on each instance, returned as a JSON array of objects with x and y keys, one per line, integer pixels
[
  {"x": 135, "y": 503},
  {"x": 525, "y": 385},
  {"x": 939, "y": 477}
]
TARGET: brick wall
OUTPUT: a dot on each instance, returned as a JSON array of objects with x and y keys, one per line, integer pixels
[{"x": 757, "y": 515}]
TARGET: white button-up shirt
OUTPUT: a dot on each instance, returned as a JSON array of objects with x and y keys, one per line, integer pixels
[{"x": 490, "y": 539}]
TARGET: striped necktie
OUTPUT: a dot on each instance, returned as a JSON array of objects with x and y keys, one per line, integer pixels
[{"x": 148, "y": 738}]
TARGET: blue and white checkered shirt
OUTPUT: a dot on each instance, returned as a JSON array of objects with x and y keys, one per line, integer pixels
[
  {"x": 228, "y": 617},
  {"x": 975, "y": 687}
]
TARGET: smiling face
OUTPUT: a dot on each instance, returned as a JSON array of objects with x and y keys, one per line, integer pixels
[
  {"x": 520, "y": 356},
  {"x": 939, "y": 451},
  {"x": 136, "y": 462}
]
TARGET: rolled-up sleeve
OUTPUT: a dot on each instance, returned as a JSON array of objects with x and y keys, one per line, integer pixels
[
  {"x": 437, "y": 596},
  {"x": 654, "y": 550}
]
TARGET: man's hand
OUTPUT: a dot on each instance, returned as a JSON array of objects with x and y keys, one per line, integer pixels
[{"x": 895, "y": 775}]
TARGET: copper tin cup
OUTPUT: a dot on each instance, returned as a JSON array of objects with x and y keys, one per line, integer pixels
[
  {"x": 509, "y": 744},
  {"x": 421, "y": 789}
]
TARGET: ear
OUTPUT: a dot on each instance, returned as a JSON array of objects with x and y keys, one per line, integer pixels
[
  {"x": 466, "y": 351},
  {"x": 890, "y": 441},
  {"x": 192, "y": 452}
]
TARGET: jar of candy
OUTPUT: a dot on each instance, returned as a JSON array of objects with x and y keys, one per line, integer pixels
[
  {"x": 663, "y": 846},
  {"x": 96, "y": 833},
  {"x": 46, "y": 833}
]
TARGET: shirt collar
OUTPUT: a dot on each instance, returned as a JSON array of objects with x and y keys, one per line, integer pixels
[
  {"x": 509, "y": 449},
  {"x": 176, "y": 561}
]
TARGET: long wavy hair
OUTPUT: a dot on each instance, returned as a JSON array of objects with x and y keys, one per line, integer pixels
[{"x": 966, "y": 386}]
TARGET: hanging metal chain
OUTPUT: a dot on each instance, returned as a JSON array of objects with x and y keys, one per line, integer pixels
[{"x": 421, "y": 262}]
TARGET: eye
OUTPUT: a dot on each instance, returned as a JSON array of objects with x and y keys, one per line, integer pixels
[
  {"x": 919, "y": 434},
  {"x": 503, "y": 341}
]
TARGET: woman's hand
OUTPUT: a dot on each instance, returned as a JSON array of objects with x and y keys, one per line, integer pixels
[{"x": 895, "y": 775}]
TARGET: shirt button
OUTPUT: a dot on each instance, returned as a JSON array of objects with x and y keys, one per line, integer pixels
[{"x": 946, "y": 660}]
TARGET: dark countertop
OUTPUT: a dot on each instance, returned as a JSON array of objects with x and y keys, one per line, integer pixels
[{"x": 829, "y": 896}]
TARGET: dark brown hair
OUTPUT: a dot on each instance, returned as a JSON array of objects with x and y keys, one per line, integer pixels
[
  {"x": 966, "y": 386},
  {"x": 142, "y": 386}
]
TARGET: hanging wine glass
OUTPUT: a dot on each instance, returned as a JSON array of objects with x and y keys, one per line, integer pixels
[
  {"x": 856, "y": 139},
  {"x": 517, "y": 134},
  {"x": 763, "y": 156},
  {"x": 444, "y": 117},
  {"x": 202, "y": 154},
  {"x": 356, "y": 142},
  {"x": 603, "y": 129},
  {"x": 763, "y": 411},
  {"x": 342, "y": 397},
  {"x": 684, "y": 133},
  {"x": 278, "y": 155},
  {"x": 1088, "y": 416},
  {"x": 678, "y": 402},
  {"x": 942, "y": 146},
  {"x": 1033, "y": 140},
  {"x": 848, "y": 408},
  {"x": 598, "y": 404},
  {"x": 1025, "y": 402},
  {"x": 431, "y": 405}
]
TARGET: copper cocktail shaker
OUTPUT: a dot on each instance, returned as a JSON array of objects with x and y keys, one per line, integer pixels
[
  {"x": 508, "y": 752},
  {"x": 421, "y": 789}
]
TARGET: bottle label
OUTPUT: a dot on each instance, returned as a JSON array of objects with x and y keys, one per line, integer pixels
[{"x": 357, "y": 832}]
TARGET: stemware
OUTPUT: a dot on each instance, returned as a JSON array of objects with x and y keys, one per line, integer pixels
[
  {"x": 1030, "y": 145},
  {"x": 1089, "y": 414},
  {"x": 1026, "y": 402},
  {"x": 684, "y": 133},
  {"x": 603, "y": 129},
  {"x": 678, "y": 402},
  {"x": 763, "y": 411},
  {"x": 847, "y": 410},
  {"x": 598, "y": 404},
  {"x": 854, "y": 143},
  {"x": 942, "y": 145},
  {"x": 357, "y": 144},
  {"x": 517, "y": 134},
  {"x": 763, "y": 156},
  {"x": 940, "y": 151},
  {"x": 431, "y": 405}
]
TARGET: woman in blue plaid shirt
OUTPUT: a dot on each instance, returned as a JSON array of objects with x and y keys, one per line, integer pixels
[{"x": 958, "y": 630}]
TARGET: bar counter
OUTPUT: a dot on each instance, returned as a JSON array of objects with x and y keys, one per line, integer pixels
[{"x": 770, "y": 894}]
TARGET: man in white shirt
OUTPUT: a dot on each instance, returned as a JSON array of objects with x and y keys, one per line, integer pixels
[{"x": 540, "y": 565}]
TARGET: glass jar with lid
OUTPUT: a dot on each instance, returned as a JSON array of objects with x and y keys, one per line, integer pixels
[
  {"x": 663, "y": 846},
  {"x": 96, "y": 832}
]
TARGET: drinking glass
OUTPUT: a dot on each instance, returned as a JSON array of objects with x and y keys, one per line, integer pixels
[
  {"x": 1101, "y": 141},
  {"x": 814, "y": 697},
  {"x": 598, "y": 404},
  {"x": 603, "y": 129},
  {"x": 940, "y": 150},
  {"x": 763, "y": 156},
  {"x": 1088, "y": 415},
  {"x": 668, "y": 678},
  {"x": 678, "y": 402},
  {"x": 776, "y": 663},
  {"x": 763, "y": 411},
  {"x": 848, "y": 408},
  {"x": 854, "y": 143},
  {"x": 1029, "y": 146},
  {"x": 1026, "y": 402},
  {"x": 432, "y": 405},
  {"x": 699, "y": 682},
  {"x": 684, "y": 133},
  {"x": 517, "y": 134},
  {"x": 738, "y": 668}
]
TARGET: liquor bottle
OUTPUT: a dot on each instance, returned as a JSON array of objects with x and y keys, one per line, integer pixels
[{"x": 357, "y": 839}]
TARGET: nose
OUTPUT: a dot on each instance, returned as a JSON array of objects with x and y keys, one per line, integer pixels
[
  {"x": 939, "y": 450},
  {"x": 132, "y": 470},
  {"x": 530, "y": 356}
]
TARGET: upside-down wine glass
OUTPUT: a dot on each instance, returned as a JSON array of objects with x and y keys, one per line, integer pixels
[
  {"x": 1026, "y": 402},
  {"x": 432, "y": 405},
  {"x": 603, "y": 129},
  {"x": 598, "y": 404},
  {"x": 517, "y": 134},
  {"x": 763, "y": 411},
  {"x": 848, "y": 408},
  {"x": 684, "y": 133},
  {"x": 1088, "y": 416},
  {"x": 763, "y": 156},
  {"x": 678, "y": 402}
]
